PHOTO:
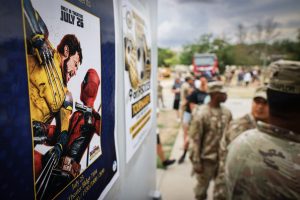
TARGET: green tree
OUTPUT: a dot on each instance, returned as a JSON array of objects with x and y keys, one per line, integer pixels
[
  {"x": 202, "y": 45},
  {"x": 223, "y": 51},
  {"x": 208, "y": 44},
  {"x": 166, "y": 57}
]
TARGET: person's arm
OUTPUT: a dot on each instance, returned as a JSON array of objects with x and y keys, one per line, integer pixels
[
  {"x": 35, "y": 22},
  {"x": 192, "y": 99},
  {"x": 196, "y": 131},
  {"x": 192, "y": 106},
  {"x": 37, "y": 33},
  {"x": 223, "y": 152},
  {"x": 174, "y": 89},
  {"x": 62, "y": 120}
]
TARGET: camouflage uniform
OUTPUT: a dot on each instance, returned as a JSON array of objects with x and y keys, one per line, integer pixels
[
  {"x": 235, "y": 128},
  {"x": 206, "y": 130},
  {"x": 267, "y": 162},
  {"x": 185, "y": 91},
  {"x": 264, "y": 163}
]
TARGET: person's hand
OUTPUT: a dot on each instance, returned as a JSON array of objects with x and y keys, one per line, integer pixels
[
  {"x": 54, "y": 153},
  {"x": 40, "y": 132},
  {"x": 197, "y": 168},
  {"x": 42, "y": 49}
]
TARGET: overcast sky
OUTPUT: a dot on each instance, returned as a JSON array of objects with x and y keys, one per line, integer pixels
[{"x": 183, "y": 21}]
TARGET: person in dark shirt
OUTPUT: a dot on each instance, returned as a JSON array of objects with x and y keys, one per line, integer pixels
[{"x": 176, "y": 91}]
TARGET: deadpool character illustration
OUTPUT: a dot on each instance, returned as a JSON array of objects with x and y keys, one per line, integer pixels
[{"x": 84, "y": 123}]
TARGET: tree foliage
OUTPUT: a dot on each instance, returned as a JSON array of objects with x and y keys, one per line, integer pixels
[
  {"x": 263, "y": 49},
  {"x": 166, "y": 57}
]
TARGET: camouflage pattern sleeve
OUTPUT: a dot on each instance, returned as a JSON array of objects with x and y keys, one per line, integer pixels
[
  {"x": 263, "y": 166},
  {"x": 220, "y": 186},
  {"x": 195, "y": 132},
  {"x": 225, "y": 140},
  {"x": 234, "y": 129},
  {"x": 232, "y": 168},
  {"x": 224, "y": 143}
]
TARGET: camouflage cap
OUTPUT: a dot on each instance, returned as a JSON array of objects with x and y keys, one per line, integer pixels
[
  {"x": 285, "y": 76},
  {"x": 260, "y": 92},
  {"x": 216, "y": 86}
]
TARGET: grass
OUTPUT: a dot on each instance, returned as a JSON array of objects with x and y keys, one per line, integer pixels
[{"x": 160, "y": 126}]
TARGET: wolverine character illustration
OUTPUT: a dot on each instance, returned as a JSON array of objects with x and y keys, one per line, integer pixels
[{"x": 49, "y": 71}]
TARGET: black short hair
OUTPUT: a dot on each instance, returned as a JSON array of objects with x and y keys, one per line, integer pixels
[
  {"x": 187, "y": 78},
  {"x": 73, "y": 43},
  {"x": 281, "y": 103}
]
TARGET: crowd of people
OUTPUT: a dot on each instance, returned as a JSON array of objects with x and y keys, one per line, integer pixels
[
  {"x": 243, "y": 76},
  {"x": 255, "y": 156}
]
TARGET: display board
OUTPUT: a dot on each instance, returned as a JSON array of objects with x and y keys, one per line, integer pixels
[{"x": 137, "y": 76}]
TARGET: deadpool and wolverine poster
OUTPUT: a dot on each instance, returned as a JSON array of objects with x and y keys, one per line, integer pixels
[{"x": 73, "y": 148}]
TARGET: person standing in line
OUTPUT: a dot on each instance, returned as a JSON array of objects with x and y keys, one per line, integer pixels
[
  {"x": 196, "y": 98},
  {"x": 263, "y": 163},
  {"x": 159, "y": 149},
  {"x": 160, "y": 95},
  {"x": 176, "y": 91},
  {"x": 207, "y": 126},
  {"x": 247, "y": 78},
  {"x": 259, "y": 112},
  {"x": 186, "y": 89},
  {"x": 197, "y": 81},
  {"x": 240, "y": 77}
]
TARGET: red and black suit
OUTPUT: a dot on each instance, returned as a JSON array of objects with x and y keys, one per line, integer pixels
[{"x": 84, "y": 123}]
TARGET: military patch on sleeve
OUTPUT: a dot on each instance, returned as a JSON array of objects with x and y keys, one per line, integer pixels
[{"x": 268, "y": 155}]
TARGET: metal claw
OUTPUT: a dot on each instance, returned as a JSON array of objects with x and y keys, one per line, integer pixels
[
  {"x": 43, "y": 185},
  {"x": 51, "y": 158},
  {"x": 53, "y": 76},
  {"x": 48, "y": 178},
  {"x": 50, "y": 80},
  {"x": 51, "y": 62}
]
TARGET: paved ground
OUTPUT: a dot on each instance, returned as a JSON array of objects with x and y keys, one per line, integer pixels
[{"x": 175, "y": 183}]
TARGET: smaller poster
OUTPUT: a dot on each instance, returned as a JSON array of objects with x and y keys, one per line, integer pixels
[{"x": 137, "y": 77}]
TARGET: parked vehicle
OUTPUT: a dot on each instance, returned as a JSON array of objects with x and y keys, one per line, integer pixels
[
  {"x": 165, "y": 72},
  {"x": 205, "y": 63}
]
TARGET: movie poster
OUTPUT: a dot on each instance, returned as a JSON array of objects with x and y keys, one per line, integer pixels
[
  {"x": 137, "y": 77},
  {"x": 65, "y": 80}
]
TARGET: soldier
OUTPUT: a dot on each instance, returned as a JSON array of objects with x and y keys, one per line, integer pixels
[
  {"x": 263, "y": 163},
  {"x": 197, "y": 97},
  {"x": 160, "y": 96},
  {"x": 259, "y": 111},
  {"x": 206, "y": 130},
  {"x": 176, "y": 91}
]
